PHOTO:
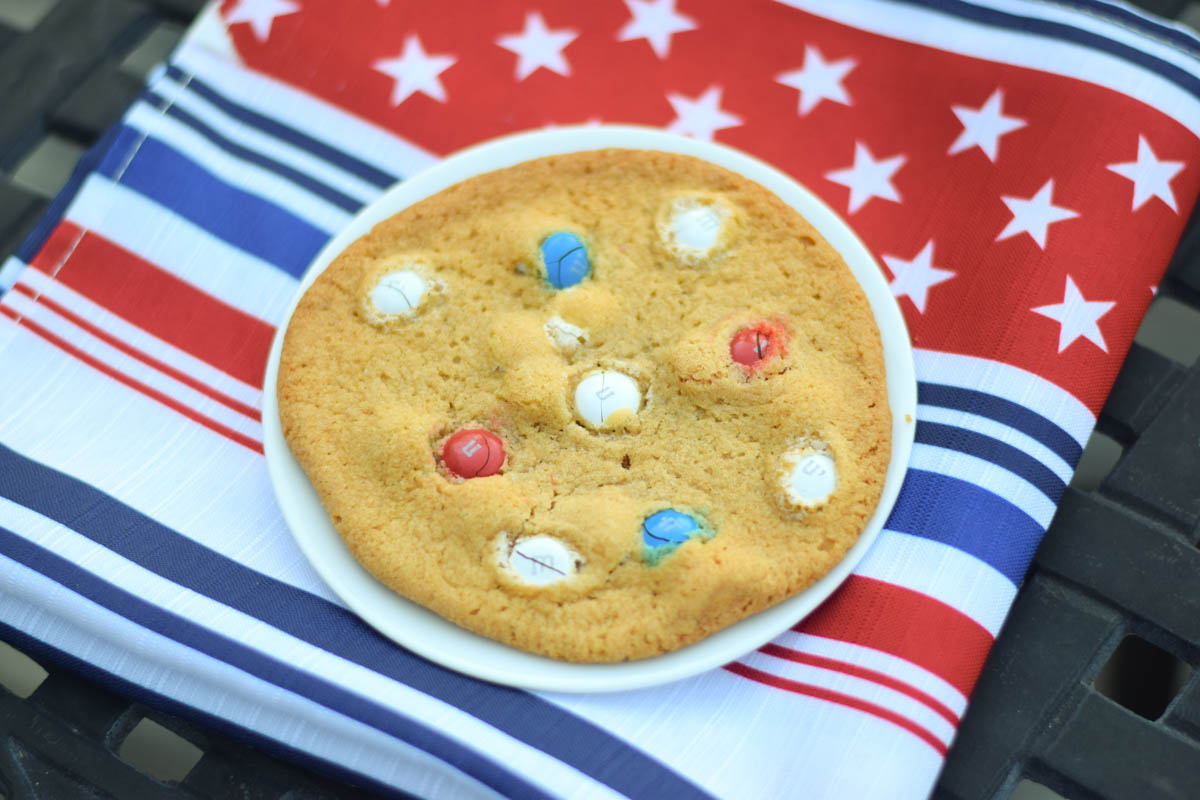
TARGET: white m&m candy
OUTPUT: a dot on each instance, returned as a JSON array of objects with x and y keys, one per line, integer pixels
[
  {"x": 603, "y": 393},
  {"x": 398, "y": 293},
  {"x": 810, "y": 479},
  {"x": 537, "y": 560},
  {"x": 694, "y": 228}
]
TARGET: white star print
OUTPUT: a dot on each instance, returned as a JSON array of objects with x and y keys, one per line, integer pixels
[
  {"x": 260, "y": 14},
  {"x": 415, "y": 71},
  {"x": 701, "y": 117},
  {"x": 868, "y": 177},
  {"x": 983, "y": 126},
  {"x": 537, "y": 46},
  {"x": 1151, "y": 177},
  {"x": 818, "y": 79},
  {"x": 655, "y": 21},
  {"x": 914, "y": 278},
  {"x": 1034, "y": 216},
  {"x": 1077, "y": 317}
]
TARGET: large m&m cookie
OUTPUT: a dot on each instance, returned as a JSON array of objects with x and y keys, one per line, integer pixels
[{"x": 595, "y": 406}]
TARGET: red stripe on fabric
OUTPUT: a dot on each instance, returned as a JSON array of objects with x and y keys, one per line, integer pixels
[
  {"x": 157, "y": 301},
  {"x": 907, "y": 624},
  {"x": 856, "y": 671},
  {"x": 133, "y": 352},
  {"x": 797, "y": 687},
  {"x": 58, "y": 247},
  {"x": 150, "y": 392}
]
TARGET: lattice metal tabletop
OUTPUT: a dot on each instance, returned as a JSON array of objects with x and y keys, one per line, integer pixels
[{"x": 1090, "y": 690}]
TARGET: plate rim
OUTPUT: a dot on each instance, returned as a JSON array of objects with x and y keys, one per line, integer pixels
[{"x": 385, "y": 611}]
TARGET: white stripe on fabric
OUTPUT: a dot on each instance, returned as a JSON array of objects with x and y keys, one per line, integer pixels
[
  {"x": 946, "y": 32},
  {"x": 10, "y": 330},
  {"x": 1109, "y": 29},
  {"x": 237, "y": 172},
  {"x": 208, "y": 30},
  {"x": 1158, "y": 20},
  {"x": 1009, "y": 383},
  {"x": 167, "y": 240},
  {"x": 740, "y": 739},
  {"x": 945, "y": 573},
  {"x": 869, "y": 658},
  {"x": 147, "y": 456},
  {"x": 144, "y": 341},
  {"x": 255, "y": 139},
  {"x": 304, "y": 112},
  {"x": 9, "y": 270},
  {"x": 1000, "y": 432},
  {"x": 860, "y": 688},
  {"x": 137, "y": 370},
  {"x": 468, "y": 730},
  {"x": 51, "y": 613}
]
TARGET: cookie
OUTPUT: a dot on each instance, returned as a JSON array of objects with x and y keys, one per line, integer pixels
[{"x": 595, "y": 406}]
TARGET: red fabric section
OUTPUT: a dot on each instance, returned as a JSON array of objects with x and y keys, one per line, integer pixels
[
  {"x": 158, "y": 302},
  {"x": 861, "y": 672},
  {"x": 133, "y": 352},
  {"x": 841, "y": 699},
  {"x": 902, "y": 99},
  {"x": 864, "y": 611},
  {"x": 148, "y": 391}
]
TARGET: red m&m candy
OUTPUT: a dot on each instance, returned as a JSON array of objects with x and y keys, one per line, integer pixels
[
  {"x": 751, "y": 346},
  {"x": 473, "y": 453}
]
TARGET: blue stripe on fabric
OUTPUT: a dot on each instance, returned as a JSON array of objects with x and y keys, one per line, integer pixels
[
  {"x": 53, "y": 214},
  {"x": 1006, "y": 412},
  {"x": 164, "y": 106},
  {"x": 49, "y": 655},
  {"x": 995, "y": 451},
  {"x": 968, "y": 517},
  {"x": 264, "y": 667},
  {"x": 143, "y": 540},
  {"x": 242, "y": 219},
  {"x": 1058, "y": 30},
  {"x": 347, "y": 162}
]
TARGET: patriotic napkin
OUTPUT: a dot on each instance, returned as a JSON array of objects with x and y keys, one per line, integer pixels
[{"x": 1022, "y": 171}]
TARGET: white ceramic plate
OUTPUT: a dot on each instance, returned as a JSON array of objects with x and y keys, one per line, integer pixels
[{"x": 431, "y": 636}]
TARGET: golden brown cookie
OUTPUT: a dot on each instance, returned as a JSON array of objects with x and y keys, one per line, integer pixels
[{"x": 596, "y": 406}]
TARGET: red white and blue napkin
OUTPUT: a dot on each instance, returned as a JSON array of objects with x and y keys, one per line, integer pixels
[{"x": 1021, "y": 170}]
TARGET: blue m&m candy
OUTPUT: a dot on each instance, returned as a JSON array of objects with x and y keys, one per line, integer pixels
[
  {"x": 664, "y": 531},
  {"x": 565, "y": 259}
]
